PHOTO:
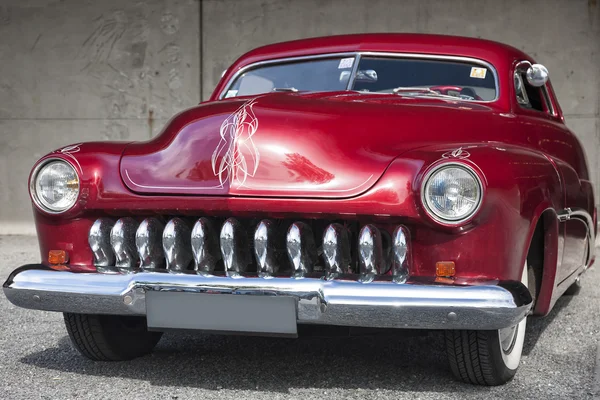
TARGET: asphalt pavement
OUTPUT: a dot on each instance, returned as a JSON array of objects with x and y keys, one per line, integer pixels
[{"x": 38, "y": 362}]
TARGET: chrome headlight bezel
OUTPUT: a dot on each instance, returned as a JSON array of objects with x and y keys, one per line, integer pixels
[
  {"x": 33, "y": 186},
  {"x": 431, "y": 212}
]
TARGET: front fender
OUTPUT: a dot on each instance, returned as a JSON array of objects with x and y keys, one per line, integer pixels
[{"x": 520, "y": 185}]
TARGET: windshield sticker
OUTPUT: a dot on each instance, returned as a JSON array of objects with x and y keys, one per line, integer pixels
[
  {"x": 478, "y": 73},
  {"x": 346, "y": 63},
  {"x": 231, "y": 93}
]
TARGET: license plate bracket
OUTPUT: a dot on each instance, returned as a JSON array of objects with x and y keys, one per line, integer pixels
[{"x": 222, "y": 313}]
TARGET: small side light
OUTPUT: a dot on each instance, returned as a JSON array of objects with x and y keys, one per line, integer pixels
[
  {"x": 58, "y": 257},
  {"x": 445, "y": 269}
]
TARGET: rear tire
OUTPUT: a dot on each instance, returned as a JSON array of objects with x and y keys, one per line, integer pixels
[
  {"x": 110, "y": 337},
  {"x": 487, "y": 357}
]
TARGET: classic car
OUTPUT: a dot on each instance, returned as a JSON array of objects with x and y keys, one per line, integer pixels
[{"x": 370, "y": 181}]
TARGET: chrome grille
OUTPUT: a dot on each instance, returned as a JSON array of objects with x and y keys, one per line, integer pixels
[{"x": 248, "y": 247}]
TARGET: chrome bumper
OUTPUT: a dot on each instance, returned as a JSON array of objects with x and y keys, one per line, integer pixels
[{"x": 348, "y": 303}]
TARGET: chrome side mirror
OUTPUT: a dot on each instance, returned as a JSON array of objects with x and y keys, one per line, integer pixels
[
  {"x": 366, "y": 75},
  {"x": 537, "y": 75}
]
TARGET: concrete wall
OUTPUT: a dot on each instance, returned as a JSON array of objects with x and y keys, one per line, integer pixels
[{"x": 74, "y": 71}]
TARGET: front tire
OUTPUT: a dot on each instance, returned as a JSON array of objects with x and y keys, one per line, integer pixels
[
  {"x": 110, "y": 337},
  {"x": 487, "y": 357}
]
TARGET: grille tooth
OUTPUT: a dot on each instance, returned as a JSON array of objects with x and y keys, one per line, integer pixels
[
  {"x": 370, "y": 249},
  {"x": 265, "y": 249},
  {"x": 301, "y": 249},
  {"x": 234, "y": 247},
  {"x": 401, "y": 254},
  {"x": 148, "y": 241},
  {"x": 336, "y": 250},
  {"x": 122, "y": 240},
  {"x": 205, "y": 246},
  {"x": 99, "y": 240},
  {"x": 176, "y": 241}
]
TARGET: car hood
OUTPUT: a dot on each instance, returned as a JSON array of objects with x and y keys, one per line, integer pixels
[{"x": 329, "y": 145}]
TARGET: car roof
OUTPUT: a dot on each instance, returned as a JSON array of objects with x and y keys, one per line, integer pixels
[
  {"x": 501, "y": 56},
  {"x": 493, "y": 52}
]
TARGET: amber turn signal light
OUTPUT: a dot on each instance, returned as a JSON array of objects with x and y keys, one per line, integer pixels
[
  {"x": 445, "y": 269},
  {"x": 58, "y": 257}
]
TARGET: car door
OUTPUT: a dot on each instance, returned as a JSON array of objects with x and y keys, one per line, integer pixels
[{"x": 565, "y": 151}]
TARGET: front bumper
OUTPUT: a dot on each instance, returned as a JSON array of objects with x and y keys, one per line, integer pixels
[{"x": 319, "y": 301}]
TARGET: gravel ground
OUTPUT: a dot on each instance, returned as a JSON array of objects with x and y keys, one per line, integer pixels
[{"x": 37, "y": 361}]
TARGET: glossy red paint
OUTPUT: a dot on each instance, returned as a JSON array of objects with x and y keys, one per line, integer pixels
[{"x": 350, "y": 156}]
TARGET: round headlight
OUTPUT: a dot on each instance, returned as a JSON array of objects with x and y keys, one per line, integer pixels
[
  {"x": 55, "y": 186},
  {"x": 451, "y": 193}
]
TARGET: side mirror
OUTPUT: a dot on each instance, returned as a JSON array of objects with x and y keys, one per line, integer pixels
[
  {"x": 366, "y": 75},
  {"x": 537, "y": 75}
]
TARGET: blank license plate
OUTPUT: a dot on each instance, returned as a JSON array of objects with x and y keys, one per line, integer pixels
[{"x": 223, "y": 313}]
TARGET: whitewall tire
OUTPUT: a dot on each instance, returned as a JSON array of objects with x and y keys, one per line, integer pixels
[{"x": 488, "y": 357}]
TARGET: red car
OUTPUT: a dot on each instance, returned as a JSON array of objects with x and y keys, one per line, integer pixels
[{"x": 381, "y": 180}]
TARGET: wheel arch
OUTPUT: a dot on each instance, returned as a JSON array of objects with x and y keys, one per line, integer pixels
[{"x": 543, "y": 254}]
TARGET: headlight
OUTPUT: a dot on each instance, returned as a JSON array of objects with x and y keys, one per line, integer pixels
[
  {"x": 451, "y": 193},
  {"x": 55, "y": 186}
]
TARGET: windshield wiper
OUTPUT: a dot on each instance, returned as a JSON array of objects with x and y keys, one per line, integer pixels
[
  {"x": 413, "y": 89},
  {"x": 285, "y": 89},
  {"x": 421, "y": 91}
]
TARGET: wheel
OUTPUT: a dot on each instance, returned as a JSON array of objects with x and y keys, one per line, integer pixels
[
  {"x": 574, "y": 289},
  {"x": 487, "y": 357},
  {"x": 110, "y": 337}
]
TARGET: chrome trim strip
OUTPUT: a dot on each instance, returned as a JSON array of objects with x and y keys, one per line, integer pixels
[
  {"x": 349, "y": 303},
  {"x": 359, "y": 54}
]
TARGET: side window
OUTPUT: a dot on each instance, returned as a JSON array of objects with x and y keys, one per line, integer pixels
[
  {"x": 535, "y": 96},
  {"x": 528, "y": 96},
  {"x": 520, "y": 91}
]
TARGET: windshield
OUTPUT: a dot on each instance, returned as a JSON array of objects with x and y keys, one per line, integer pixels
[{"x": 395, "y": 75}]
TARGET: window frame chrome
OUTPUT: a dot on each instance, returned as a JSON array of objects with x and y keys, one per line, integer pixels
[{"x": 357, "y": 57}]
